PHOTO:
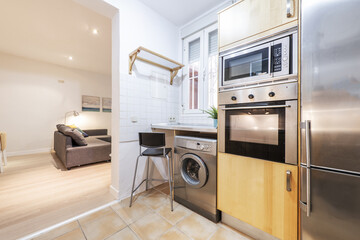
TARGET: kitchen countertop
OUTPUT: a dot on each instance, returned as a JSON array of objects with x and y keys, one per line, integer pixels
[{"x": 185, "y": 127}]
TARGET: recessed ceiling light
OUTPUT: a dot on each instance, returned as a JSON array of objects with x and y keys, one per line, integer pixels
[
  {"x": 95, "y": 31},
  {"x": 70, "y": 58}
]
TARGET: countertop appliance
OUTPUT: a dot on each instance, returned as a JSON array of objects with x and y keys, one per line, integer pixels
[
  {"x": 195, "y": 175},
  {"x": 269, "y": 59},
  {"x": 330, "y": 115},
  {"x": 260, "y": 122}
]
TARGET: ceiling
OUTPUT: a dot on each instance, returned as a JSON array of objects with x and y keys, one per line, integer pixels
[
  {"x": 54, "y": 30},
  {"x": 181, "y": 12}
]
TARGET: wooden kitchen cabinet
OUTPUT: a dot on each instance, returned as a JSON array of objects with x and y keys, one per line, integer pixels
[
  {"x": 255, "y": 191},
  {"x": 248, "y": 20}
]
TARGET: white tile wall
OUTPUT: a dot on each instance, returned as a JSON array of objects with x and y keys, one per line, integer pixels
[
  {"x": 138, "y": 106},
  {"x": 196, "y": 119}
]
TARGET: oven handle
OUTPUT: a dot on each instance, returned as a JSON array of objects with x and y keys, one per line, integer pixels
[{"x": 256, "y": 107}]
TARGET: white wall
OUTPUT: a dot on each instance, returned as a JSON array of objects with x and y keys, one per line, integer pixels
[
  {"x": 33, "y": 101},
  {"x": 139, "y": 104}
]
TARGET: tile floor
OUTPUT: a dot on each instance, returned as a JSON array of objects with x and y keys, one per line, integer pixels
[{"x": 149, "y": 218}]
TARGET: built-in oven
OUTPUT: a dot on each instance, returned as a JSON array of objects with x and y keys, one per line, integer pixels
[
  {"x": 260, "y": 122},
  {"x": 262, "y": 61}
]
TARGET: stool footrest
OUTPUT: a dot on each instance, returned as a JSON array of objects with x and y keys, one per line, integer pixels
[
  {"x": 159, "y": 180},
  {"x": 138, "y": 186}
]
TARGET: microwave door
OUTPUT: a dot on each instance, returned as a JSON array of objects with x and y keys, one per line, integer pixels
[{"x": 247, "y": 66}]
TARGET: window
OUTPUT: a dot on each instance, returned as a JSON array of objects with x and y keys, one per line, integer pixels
[{"x": 201, "y": 70}]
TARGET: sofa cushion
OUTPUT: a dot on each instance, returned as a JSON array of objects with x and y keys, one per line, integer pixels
[
  {"x": 78, "y": 137},
  {"x": 96, "y": 132},
  {"x": 75, "y": 134},
  {"x": 63, "y": 128}
]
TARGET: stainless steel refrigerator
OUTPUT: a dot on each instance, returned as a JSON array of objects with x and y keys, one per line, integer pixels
[{"x": 330, "y": 115}]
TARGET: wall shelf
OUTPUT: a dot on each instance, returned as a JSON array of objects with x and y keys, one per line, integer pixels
[{"x": 148, "y": 56}]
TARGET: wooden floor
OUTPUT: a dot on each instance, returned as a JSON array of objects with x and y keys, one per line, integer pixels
[{"x": 36, "y": 192}]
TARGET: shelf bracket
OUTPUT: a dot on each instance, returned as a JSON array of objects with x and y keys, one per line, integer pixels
[
  {"x": 132, "y": 61},
  {"x": 173, "y": 74}
]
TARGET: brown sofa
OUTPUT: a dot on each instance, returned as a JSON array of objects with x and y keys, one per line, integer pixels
[{"x": 97, "y": 150}]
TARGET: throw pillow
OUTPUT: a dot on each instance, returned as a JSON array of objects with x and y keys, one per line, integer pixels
[
  {"x": 77, "y": 136},
  {"x": 82, "y": 132},
  {"x": 63, "y": 128},
  {"x": 75, "y": 127}
]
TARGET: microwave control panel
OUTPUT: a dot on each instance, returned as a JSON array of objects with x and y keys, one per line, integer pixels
[
  {"x": 280, "y": 56},
  {"x": 277, "y": 58}
]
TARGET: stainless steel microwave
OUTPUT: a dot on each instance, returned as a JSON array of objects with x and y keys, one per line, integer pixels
[{"x": 263, "y": 61}]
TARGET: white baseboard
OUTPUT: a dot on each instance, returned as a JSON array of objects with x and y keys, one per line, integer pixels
[
  {"x": 114, "y": 192},
  {"x": 38, "y": 233},
  {"x": 27, "y": 152}
]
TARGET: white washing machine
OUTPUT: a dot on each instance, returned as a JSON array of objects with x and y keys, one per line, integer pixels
[{"x": 195, "y": 175}]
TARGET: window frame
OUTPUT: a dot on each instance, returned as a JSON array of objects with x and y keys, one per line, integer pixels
[
  {"x": 186, "y": 82},
  {"x": 207, "y": 32},
  {"x": 202, "y": 75}
]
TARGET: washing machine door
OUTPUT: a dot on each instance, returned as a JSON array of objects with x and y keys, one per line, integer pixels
[{"x": 193, "y": 170}]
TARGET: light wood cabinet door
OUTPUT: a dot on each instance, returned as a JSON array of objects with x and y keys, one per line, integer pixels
[
  {"x": 255, "y": 191},
  {"x": 248, "y": 18}
]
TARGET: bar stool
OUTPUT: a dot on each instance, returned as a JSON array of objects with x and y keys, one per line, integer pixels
[
  {"x": 155, "y": 147},
  {"x": 3, "y": 155}
]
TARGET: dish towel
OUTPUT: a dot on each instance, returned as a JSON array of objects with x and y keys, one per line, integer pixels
[{"x": 3, "y": 156}]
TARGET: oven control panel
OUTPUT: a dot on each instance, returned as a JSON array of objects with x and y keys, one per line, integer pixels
[{"x": 260, "y": 94}]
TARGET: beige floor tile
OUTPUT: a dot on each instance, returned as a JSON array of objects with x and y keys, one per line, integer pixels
[
  {"x": 165, "y": 190},
  {"x": 125, "y": 234},
  {"x": 76, "y": 234},
  {"x": 150, "y": 227},
  {"x": 95, "y": 215},
  {"x": 130, "y": 215},
  {"x": 161, "y": 186},
  {"x": 58, "y": 231},
  {"x": 174, "y": 217},
  {"x": 197, "y": 227},
  {"x": 103, "y": 227},
  {"x": 155, "y": 200},
  {"x": 146, "y": 193},
  {"x": 223, "y": 233},
  {"x": 174, "y": 234}
]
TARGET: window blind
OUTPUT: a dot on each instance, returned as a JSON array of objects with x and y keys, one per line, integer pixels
[
  {"x": 194, "y": 50},
  {"x": 213, "y": 42}
]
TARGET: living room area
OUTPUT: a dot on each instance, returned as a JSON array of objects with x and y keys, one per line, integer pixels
[{"x": 56, "y": 95}]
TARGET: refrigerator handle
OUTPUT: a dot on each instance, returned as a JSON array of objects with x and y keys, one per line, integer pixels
[
  {"x": 307, "y": 143},
  {"x": 308, "y": 192},
  {"x": 308, "y": 162}
]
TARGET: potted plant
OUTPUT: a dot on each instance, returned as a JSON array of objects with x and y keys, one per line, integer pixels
[{"x": 213, "y": 113}]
